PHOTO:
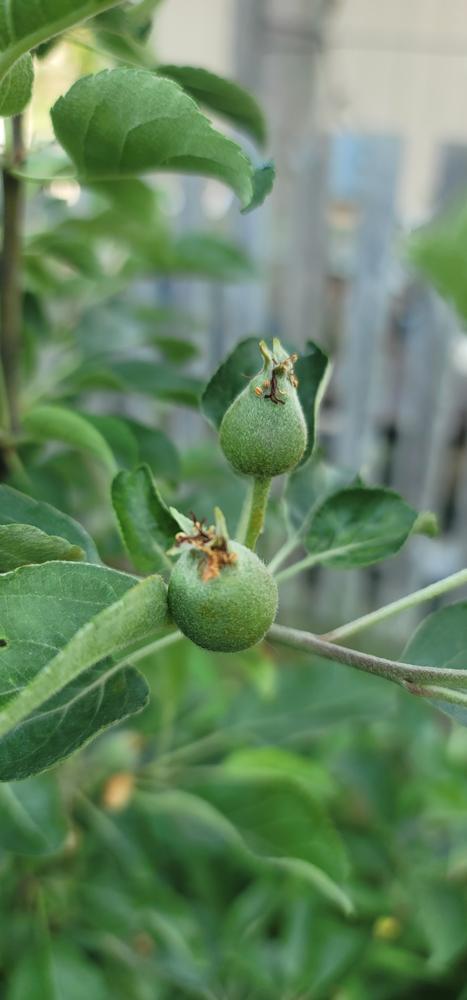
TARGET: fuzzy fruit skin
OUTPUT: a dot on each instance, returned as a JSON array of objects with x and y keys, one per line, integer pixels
[
  {"x": 231, "y": 612},
  {"x": 261, "y": 438}
]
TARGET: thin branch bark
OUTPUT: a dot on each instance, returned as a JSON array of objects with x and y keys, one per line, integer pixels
[{"x": 407, "y": 674}]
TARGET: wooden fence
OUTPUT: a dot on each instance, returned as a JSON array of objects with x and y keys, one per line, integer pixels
[{"x": 330, "y": 244}]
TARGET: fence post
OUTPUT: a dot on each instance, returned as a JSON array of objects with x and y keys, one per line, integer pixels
[{"x": 279, "y": 55}]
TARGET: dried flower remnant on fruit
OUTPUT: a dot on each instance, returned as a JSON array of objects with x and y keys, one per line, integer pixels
[
  {"x": 285, "y": 367},
  {"x": 220, "y": 594},
  {"x": 261, "y": 440},
  {"x": 211, "y": 544}
]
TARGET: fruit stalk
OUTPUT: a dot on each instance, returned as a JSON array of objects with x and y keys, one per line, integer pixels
[{"x": 259, "y": 496}]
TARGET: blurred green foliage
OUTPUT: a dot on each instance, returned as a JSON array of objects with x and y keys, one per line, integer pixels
[{"x": 149, "y": 894}]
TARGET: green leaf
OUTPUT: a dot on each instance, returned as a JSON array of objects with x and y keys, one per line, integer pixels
[
  {"x": 426, "y": 524},
  {"x": 438, "y": 251},
  {"x": 63, "y": 625},
  {"x": 67, "y": 243},
  {"x": 310, "y": 699},
  {"x": 55, "y": 423},
  {"x": 267, "y": 760},
  {"x": 56, "y": 970},
  {"x": 311, "y": 370},
  {"x": 26, "y": 24},
  {"x": 119, "y": 437},
  {"x": 125, "y": 122},
  {"x": 263, "y": 182},
  {"x": 229, "y": 380},
  {"x": 32, "y": 820},
  {"x": 183, "y": 522},
  {"x": 157, "y": 380},
  {"x": 168, "y": 320},
  {"x": 244, "y": 361},
  {"x": 146, "y": 524},
  {"x": 16, "y": 86},
  {"x": 211, "y": 256},
  {"x": 15, "y": 506},
  {"x": 359, "y": 525},
  {"x": 278, "y": 817},
  {"x": 22, "y": 544},
  {"x": 442, "y": 915},
  {"x": 223, "y": 96},
  {"x": 308, "y": 486},
  {"x": 441, "y": 641},
  {"x": 272, "y": 819},
  {"x": 117, "y": 33},
  {"x": 156, "y": 450},
  {"x": 174, "y": 350}
]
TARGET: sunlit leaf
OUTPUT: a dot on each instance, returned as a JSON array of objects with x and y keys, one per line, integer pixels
[
  {"x": 26, "y": 24},
  {"x": 125, "y": 122},
  {"x": 16, "y": 86},
  {"x": 222, "y": 96}
]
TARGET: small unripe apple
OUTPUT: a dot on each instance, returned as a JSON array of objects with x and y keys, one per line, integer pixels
[
  {"x": 226, "y": 609},
  {"x": 264, "y": 433}
]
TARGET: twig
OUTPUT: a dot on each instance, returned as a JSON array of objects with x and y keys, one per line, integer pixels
[
  {"x": 10, "y": 280},
  {"x": 395, "y": 607},
  {"x": 406, "y": 674}
]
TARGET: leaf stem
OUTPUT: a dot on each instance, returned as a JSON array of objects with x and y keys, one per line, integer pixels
[
  {"x": 21, "y": 175},
  {"x": 140, "y": 63},
  {"x": 439, "y": 693},
  {"x": 409, "y": 601},
  {"x": 313, "y": 560},
  {"x": 406, "y": 674},
  {"x": 153, "y": 647},
  {"x": 258, "y": 501},
  {"x": 283, "y": 553}
]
